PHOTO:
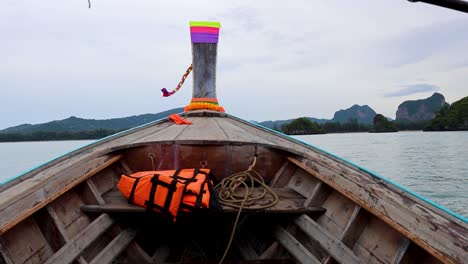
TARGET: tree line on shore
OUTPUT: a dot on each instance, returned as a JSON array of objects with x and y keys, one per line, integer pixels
[
  {"x": 449, "y": 118},
  {"x": 303, "y": 126}
]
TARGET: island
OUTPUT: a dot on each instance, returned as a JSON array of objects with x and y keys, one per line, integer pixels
[{"x": 382, "y": 125}]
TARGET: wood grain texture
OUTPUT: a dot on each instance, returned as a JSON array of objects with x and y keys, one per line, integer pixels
[
  {"x": 434, "y": 231},
  {"x": 115, "y": 247},
  {"x": 72, "y": 249},
  {"x": 13, "y": 214},
  {"x": 204, "y": 69},
  {"x": 26, "y": 243},
  {"x": 203, "y": 129},
  {"x": 296, "y": 249},
  {"x": 333, "y": 246}
]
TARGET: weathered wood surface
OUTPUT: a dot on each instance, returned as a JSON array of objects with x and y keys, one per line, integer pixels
[
  {"x": 289, "y": 203},
  {"x": 64, "y": 237},
  {"x": 115, "y": 247},
  {"x": 26, "y": 243},
  {"x": 82, "y": 240},
  {"x": 204, "y": 69},
  {"x": 401, "y": 251},
  {"x": 437, "y": 232},
  {"x": 15, "y": 209},
  {"x": 203, "y": 129},
  {"x": 294, "y": 247},
  {"x": 333, "y": 246}
]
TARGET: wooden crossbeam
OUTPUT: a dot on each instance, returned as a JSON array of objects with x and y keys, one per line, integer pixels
[
  {"x": 294, "y": 247},
  {"x": 333, "y": 246},
  {"x": 115, "y": 247},
  {"x": 128, "y": 208},
  {"x": 73, "y": 248}
]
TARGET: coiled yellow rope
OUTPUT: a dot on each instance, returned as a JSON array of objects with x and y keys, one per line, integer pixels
[{"x": 237, "y": 191}]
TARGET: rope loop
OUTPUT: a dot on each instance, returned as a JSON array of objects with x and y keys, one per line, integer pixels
[{"x": 237, "y": 191}]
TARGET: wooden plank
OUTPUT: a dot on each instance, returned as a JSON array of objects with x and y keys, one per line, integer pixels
[
  {"x": 246, "y": 250},
  {"x": 4, "y": 255},
  {"x": 95, "y": 193},
  {"x": 303, "y": 183},
  {"x": 161, "y": 254},
  {"x": 72, "y": 249},
  {"x": 237, "y": 134},
  {"x": 270, "y": 251},
  {"x": 169, "y": 133},
  {"x": 352, "y": 230},
  {"x": 318, "y": 195},
  {"x": 12, "y": 215},
  {"x": 126, "y": 168},
  {"x": 333, "y": 246},
  {"x": 25, "y": 243},
  {"x": 294, "y": 247},
  {"x": 61, "y": 230},
  {"x": 115, "y": 247},
  {"x": 278, "y": 174},
  {"x": 290, "y": 202},
  {"x": 202, "y": 129},
  {"x": 437, "y": 232},
  {"x": 401, "y": 251},
  {"x": 128, "y": 208},
  {"x": 356, "y": 223}
]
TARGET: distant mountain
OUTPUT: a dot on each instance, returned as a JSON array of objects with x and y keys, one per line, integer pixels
[
  {"x": 419, "y": 111},
  {"x": 453, "y": 117},
  {"x": 363, "y": 114},
  {"x": 279, "y": 123},
  {"x": 73, "y": 124}
]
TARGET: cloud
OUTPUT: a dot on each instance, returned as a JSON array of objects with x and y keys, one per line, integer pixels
[
  {"x": 419, "y": 44},
  {"x": 413, "y": 89}
]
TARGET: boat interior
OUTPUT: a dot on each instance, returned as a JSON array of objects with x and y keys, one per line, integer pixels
[{"x": 91, "y": 222}]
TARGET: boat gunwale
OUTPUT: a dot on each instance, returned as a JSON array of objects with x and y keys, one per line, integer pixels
[{"x": 353, "y": 165}]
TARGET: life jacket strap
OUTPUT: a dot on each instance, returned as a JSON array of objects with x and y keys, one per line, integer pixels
[
  {"x": 171, "y": 187},
  {"x": 132, "y": 192}
]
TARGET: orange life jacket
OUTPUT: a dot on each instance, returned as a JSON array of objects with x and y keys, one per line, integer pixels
[
  {"x": 197, "y": 191},
  {"x": 168, "y": 191}
]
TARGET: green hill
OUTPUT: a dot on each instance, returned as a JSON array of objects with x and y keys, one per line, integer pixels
[
  {"x": 74, "y": 128},
  {"x": 302, "y": 126},
  {"x": 449, "y": 118},
  {"x": 382, "y": 124},
  {"x": 420, "y": 111},
  {"x": 75, "y": 124},
  {"x": 362, "y": 114}
]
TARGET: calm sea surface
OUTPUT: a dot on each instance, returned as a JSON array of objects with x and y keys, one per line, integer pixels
[
  {"x": 434, "y": 164},
  {"x": 19, "y": 157}
]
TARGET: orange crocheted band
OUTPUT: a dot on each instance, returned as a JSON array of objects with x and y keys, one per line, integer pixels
[{"x": 204, "y": 103}]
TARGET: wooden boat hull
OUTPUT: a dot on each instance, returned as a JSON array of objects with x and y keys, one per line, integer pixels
[{"x": 69, "y": 209}]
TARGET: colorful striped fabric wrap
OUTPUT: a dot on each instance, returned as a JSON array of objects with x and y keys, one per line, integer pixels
[{"x": 204, "y": 31}]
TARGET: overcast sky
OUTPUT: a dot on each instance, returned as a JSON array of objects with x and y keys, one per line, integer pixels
[{"x": 276, "y": 59}]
